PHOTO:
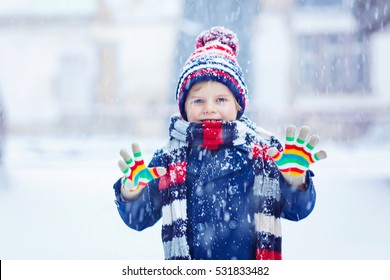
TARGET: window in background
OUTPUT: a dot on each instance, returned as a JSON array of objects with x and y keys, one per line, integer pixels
[{"x": 332, "y": 63}]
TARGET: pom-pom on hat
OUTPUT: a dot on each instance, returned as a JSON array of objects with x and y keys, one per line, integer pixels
[{"x": 213, "y": 60}]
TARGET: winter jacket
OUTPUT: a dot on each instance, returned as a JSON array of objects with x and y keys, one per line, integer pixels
[{"x": 220, "y": 202}]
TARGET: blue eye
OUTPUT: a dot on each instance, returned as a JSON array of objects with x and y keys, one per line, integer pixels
[
  {"x": 197, "y": 101},
  {"x": 221, "y": 99}
]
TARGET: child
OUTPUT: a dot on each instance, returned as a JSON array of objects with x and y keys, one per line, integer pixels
[{"x": 221, "y": 184}]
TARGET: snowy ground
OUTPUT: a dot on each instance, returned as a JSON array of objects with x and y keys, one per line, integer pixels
[{"x": 56, "y": 202}]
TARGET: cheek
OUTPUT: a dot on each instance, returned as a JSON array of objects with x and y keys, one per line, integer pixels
[
  {"x": 188, "y": 108},
  {"x": 192, "y": 111},
  {"x": 230, "y": 112}
]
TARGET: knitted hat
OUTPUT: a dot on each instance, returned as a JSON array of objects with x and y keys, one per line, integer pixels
[{"x": 213, "y": 60}]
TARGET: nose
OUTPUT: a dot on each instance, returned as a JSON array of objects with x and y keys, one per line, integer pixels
[{"x": 209, "y": 108}]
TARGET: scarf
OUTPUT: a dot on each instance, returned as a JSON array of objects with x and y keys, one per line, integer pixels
[{"x": 172, "y": 186}]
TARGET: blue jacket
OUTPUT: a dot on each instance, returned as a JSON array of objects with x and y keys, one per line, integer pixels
[{"x": 219, "y": 203}]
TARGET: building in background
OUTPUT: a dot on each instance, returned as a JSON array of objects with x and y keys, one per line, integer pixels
[
  {"x": 2, "y": 126},
  {"x": 90, "y": 66},
  {"x": 371, "y": 15},
  {"x": 99, "y": 66},
  {"x": 315, "y": 67}
]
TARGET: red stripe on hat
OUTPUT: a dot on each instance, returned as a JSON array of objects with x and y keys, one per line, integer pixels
[
  {"x": 224, "y": 55},
  {"x": 176, "y": 174},
  {"x": 213, "y": 71},
  {"x": 214, "y": 47},
  {"x": 213, "y": 52}
]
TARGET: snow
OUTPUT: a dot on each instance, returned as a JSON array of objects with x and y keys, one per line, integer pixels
[
  {"x": 56, "y": 196},
  {"x": 57, "y": 202},
  {"x": 350, "y": 217}
]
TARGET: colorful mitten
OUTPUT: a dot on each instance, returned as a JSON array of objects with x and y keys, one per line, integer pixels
[
  {"x": 297, "y": 155},
  {"x": 136, "y": 174}
]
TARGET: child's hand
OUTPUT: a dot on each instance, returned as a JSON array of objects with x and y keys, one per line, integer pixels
[
  {"x": 136, "y": 174},
  {"x": 297, "y": 155}
]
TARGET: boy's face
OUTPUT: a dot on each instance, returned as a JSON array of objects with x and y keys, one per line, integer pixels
[{"x": 210, "y": 101}]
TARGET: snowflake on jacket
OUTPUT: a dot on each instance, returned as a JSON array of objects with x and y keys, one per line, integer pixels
[{"x": 218, "y": 201}]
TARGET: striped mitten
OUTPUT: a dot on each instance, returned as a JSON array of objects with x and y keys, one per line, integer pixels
[
  {"x": 136, "y": 174},
  {"x": 297, "y": 155}
]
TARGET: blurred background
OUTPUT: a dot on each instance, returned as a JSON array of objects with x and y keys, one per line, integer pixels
[{"x": 81, "y": 79}]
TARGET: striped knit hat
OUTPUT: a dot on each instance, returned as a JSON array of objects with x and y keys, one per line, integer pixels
[{"x": 213, "y": 60}]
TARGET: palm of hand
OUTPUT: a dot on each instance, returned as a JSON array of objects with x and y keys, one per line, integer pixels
[
  {"x": 297, "y": 156},
  {"x": 136, "y": 174}
]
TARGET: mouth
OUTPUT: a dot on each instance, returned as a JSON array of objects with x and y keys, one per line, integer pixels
[{"x": 211, "y": 120}]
